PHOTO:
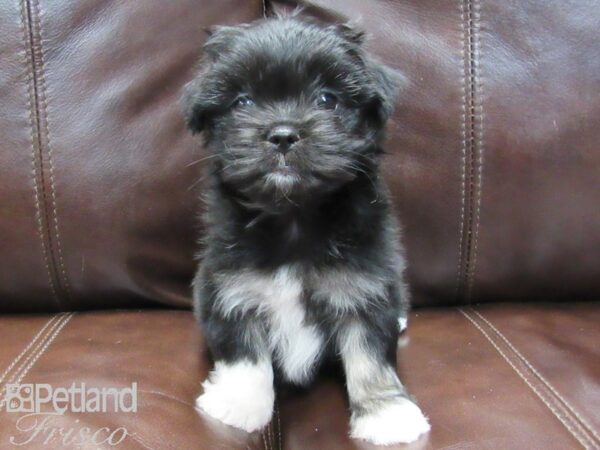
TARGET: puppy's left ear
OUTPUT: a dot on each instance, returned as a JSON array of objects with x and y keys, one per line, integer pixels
[{"x": 388, "y": 83}]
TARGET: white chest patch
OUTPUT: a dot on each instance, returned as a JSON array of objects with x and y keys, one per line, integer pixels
[{"x": 294, "y": 344}]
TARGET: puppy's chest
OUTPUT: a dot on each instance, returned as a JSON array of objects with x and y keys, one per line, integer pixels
[
  {"x": 296, "y": 305},
  {"x": 294, "y": 341}
]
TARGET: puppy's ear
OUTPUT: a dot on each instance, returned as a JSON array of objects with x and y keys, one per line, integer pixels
[
  {"x": 351, "y": 33},
  {"x": 195, "y": 109},
  {"x": 220, "y": 38},
  {"x": 388, "y": 83},
  {"x": 201, "y": 95}
]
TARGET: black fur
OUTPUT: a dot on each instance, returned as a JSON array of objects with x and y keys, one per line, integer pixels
[{"x": 323, "y": 206}]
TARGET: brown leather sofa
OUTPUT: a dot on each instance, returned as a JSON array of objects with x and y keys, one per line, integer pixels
[{"x": 494, "y": 164}]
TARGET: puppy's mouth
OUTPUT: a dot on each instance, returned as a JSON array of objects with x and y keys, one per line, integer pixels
[
  {"x": 283, "y": 176},
  {"x": 283, "y": 165}
]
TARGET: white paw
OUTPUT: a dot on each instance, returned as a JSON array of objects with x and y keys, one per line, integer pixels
[
  {"x": 398, "y": 422},
  {"x": 240, "y": 395},
  {"x": 403, "y": 322}
]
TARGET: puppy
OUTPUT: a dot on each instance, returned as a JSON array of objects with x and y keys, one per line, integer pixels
[{"x": 301, "y": 260}]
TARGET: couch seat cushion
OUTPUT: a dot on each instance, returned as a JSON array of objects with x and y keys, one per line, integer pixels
[
  {"x": 489, "y": 377},
  {"x": 161, "y": 351},
  {"x": 508, "y": 377}
]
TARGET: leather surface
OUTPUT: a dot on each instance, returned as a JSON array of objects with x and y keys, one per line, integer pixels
[
  {"x": 493, "y": 158},
  {"x": 162, "y": 352},
  {"x": 96, "y": 205},
  {"x": 493, "y": 151},
  {"x": 505, "y": 377},
  {"x": 508, "y": 376}
]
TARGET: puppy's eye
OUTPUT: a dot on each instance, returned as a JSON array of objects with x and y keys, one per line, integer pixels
[
  {"x": 243, "y": 101},
  {"x": 327, "y": 100}
]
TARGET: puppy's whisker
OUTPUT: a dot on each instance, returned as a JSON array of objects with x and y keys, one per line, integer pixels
[
  {"x": 201, "y": 179},
  {"x": 375, "y": 188},
  {"x": 197, "y": 182},
  {"x": 198, "y": 161}
]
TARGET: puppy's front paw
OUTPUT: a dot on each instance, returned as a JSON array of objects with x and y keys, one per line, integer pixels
[
  {"x": 402, "y": 323},
  {"x": 240, "y": 395},
  {"x": 399, "y": 422}
]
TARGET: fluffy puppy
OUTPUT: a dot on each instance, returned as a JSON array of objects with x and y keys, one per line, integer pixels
[{"x": 301, "y": 259}]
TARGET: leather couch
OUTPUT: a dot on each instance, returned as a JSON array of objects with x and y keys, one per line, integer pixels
[{"x": 494, "y": 165}]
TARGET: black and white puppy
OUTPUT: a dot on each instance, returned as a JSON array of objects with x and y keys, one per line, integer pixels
[{"x": 301, "y": 258}]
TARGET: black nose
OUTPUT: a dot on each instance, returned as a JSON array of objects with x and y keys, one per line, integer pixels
[{"x": 284, "y": 137}]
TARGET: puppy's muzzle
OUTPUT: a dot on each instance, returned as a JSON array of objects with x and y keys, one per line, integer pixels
[{"x": 283, "y": 138}]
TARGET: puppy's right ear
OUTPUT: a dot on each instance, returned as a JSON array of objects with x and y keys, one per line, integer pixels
[
  {"x": 195, "y": 108},
  {"x": 351, "y": 32},
  {"x": 202, "y": 95},
  {"x": 220, "y": 38}
]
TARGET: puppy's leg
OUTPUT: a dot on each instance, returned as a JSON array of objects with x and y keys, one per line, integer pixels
[
  {"x": 400, "y": 289},
  {"x": 239, "y": 391},
  {"x": 382, "y": 412}
]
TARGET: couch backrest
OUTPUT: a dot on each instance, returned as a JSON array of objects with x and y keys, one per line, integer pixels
[{"x": 494, "y": 158}]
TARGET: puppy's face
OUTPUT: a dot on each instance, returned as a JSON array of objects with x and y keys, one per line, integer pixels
[{"x": 291, "y": 110}]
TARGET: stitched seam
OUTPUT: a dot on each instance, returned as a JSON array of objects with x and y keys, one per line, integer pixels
[
  {"x": 265, "y": 440},
  {"x": 539, "y": 375},
  {"x": 472, "y": 159},
  {"x": 17, "y": 378},
  {"x": 136, "y": 437},
  {"x": 463, "y": 149},
  {"x": 40, "y": 160},
  {"x": 470, "y": 140},
  {"x": 262, "y": 433},
  {"x": 26, "y": 349},
  {"x": 582, "y": 439},
  {"x": 28, "y": 363},
  {"x": 36, "y": 349},
  {"x": 32, "y": 363},
  {"x": 44, "y": 100},
  {"x": 271, "y": 434},
  {"x": 477, "y": 112},
  {"x": 278, "y": 427},
  {"x": 29, "y": 63}
]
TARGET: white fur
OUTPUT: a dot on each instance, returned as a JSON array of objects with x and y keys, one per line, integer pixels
[
  {"x": 364, "y": 374},
  {"x": 345, "y": 290},
  {"x": 399, "y": 422},
  {"x": 282, "y": 180},
  {"x": 359, "y": 365},
  {"x": 240, "y": 394},
  {"x": 367, "y": 379},
  {"x": 295, "y": 345},
  {"x": 403, "y": 322}
]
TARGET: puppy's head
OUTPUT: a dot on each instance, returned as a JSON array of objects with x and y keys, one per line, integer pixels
[{"x": 290, "y": 109}]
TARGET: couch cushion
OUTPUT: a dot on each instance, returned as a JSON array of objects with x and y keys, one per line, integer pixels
[
  {"x": 504, "y": 377},
  {"x": 507, "y": 376},
  {"x": 161, "y": 351}
]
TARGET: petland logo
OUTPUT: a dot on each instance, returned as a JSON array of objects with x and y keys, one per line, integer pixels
[
  {"x": 43, "y": 406},
  {"x": 31, "y": 398}
]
